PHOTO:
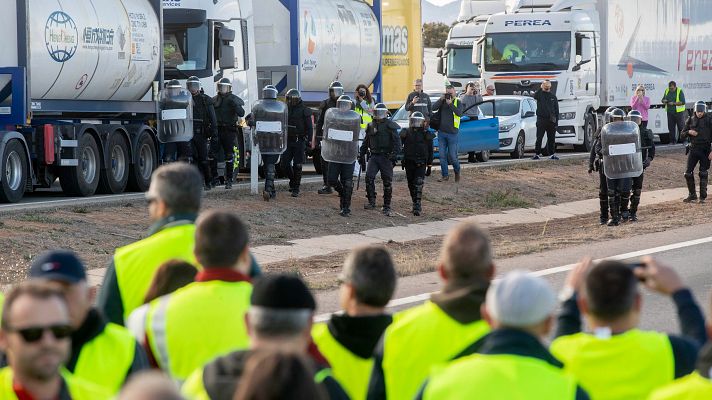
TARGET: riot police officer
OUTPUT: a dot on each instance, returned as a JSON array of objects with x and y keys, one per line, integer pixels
[
  {"x": 228, "y": 109},
  {"x": 341, "y": 175},
  {"x": 596, "y": 163},
  {"x": 300, "y": 128},
  {"x": 176, "y": 151},
  {"x": 336, "y": 89},
  {"x": 616, "y": 187},
  {"x": 382, "y": 144},
  {"x": 417, "y": 157},
  {"x": 205, "y": 127},
  {"x": 699, "y": 129},
  {"x": 647, "y": 147},
  {"x": 269, "y": 92}
]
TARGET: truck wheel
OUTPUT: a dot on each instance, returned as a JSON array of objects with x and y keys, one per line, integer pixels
[
  {"x": 471, "y": 157},
  {"x": 483, "y": 156},
  {"x": 146, "y": 161},
  {"x": 588, "y": 131},
  {"x": 83, "y": 179},
  {"x": 14, "y": 166},
  {"x": 113, "y": 179},
  {"x": 518, "y": 147}
]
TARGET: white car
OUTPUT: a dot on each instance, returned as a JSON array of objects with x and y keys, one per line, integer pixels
[{"x": 517, "y": 123}]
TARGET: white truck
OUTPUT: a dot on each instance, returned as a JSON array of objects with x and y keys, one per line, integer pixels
[
  {"x": 596, "y": 52},
  {"x": 455, "y": 60},
  {"x": 79, "y": 85}
]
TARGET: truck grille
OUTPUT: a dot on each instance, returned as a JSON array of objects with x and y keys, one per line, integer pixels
[{"x": 518, "y": 89}]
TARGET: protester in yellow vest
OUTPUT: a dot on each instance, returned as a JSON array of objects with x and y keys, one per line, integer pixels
[
  {"x": 364, "y": 105},
  {"x": 512, "y": 362},
  {"x": 279, "y": 320},
  {"x": 205, "y": 319},
  {"x": 449, "y": 112},
  {"x": 347, "y": 341},
  {"x": 697, "y": 385},
  {"x": 616, "y": 360},
  {"x": 35, "y": 335},
  {"x": 102, "y": 352},
  {"x": 441, "y": 328},
  {"x": 674, "y": 101},
  {"x": 173, "y": 204}
]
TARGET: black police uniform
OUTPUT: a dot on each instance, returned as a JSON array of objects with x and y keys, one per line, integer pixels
[
  {"x": 205, "y": 128},
  {"x": 699, "y": 153},
  {"x": 647, "y": 144},
  {"x": 300, "y": 128},
  {"x": 228, "y": 109},
  {"x": 382, "y": 143},
  {"x": 417, "y": 156},
  {"x": 325, "y": 105},
  {"x": 596, "y": 163},
  {"x": 341, "y": 178}
]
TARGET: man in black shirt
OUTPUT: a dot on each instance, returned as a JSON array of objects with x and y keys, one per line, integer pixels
[{"x": 547, "y": 116}]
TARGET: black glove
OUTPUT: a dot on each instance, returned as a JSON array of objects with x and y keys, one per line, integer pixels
[
  {"x": 362, "y": 162},
  {"x": 646, "y": 162},
  {"x": 394, "y": 161},
  {"x": 428, "y": 170}
]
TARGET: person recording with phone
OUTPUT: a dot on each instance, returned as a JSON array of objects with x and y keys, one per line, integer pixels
[
  {"x": 418, "y": 96},
  {"x": 449, "y": 110}
]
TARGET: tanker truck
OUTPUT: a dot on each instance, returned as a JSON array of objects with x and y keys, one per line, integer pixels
[
  {"x": 79, "y": 85},
  {"x": 595, "y": 53}
]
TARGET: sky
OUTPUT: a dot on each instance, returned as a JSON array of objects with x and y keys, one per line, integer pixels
[{"x": 440, "y": 2}]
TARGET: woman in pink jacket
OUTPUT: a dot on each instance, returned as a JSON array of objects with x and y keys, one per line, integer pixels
[{"x": 641, "y": 102}]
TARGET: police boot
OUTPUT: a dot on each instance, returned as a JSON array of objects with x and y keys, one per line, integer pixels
[
  {"x": 270, "y": 173},
  {"x": 370, "y": 194},
  {"x": 387, "y": 196},
  {"x": 625, "y": 214},
  {"x": 205, "y": 171},
  {"x": 213, "y": 166},
  {"x": 346, "y": 193},
  {"x": 604, "y": 210},
  {"x": 297, "y": 176},
  {"x": 417, "y": 203},
  {"x": 703, "y": 186},
  {"x": 228, "y": 174},
  {"x": 614, "y": 205},
  {"x": 634, "y": 202},
  {"x": 692, "y": 197}
]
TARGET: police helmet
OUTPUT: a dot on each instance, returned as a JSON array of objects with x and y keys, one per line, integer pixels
[
  {"x": 417, "y": 120},
  {"x": 617, "y": 115},
  {"x": 701, "y": 106},
  {"x": 344, "y": 103},
  {"x": 607, "y": 115},
  {"x": 380, "y": 111},
  {"x": 336, "y": 89},
  {"x": 269, "y": 92},
  {"x": 635, "y": 116},
  {"x": 293, "y": 97},
  {"x": 224, "y": 86},
  {"x": 173, "y": 87},
  {"x": 193, "y": 84}
]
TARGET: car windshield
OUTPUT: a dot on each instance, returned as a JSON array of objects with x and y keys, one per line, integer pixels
[
  {"x": 504, "y": 108},
  {"x": 459, "y": 63},
  {"x": 186, "y": 48},
  {"x": 535, "y": 51}
]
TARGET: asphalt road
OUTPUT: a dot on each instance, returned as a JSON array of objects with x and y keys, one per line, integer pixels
[{"x": 688, "y": 250}]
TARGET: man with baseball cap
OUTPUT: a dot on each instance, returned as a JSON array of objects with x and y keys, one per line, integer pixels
[
  {"x": 279, "y": 320},
  {"x": 102, "y": 352},
  {"x": 511, "y": 362}
]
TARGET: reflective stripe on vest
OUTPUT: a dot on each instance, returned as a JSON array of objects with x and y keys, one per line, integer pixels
[
  {"x": 501, "y": 376},
  {"x": 107, "y": 358},
  {"x": 79, "y": 389},
  {"x": 677, "y": 99},
  {"x": 366, "y": 118},
  {"x": 418, "y": 339},
  {"x": 456, "y": 118},
  {"x": 690, "y": 387},
  {"x": 194, "y": 388},
  {"x": 136, "y": 264},
  {"x": 625, "y": 366},
  {"x": 197, "y": 323},
  {"x": 352, "y": 371}
]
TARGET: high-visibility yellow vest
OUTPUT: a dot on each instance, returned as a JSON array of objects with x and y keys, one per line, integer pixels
[
  {"x": 456, "y": 118},
  {"x": 366, "y": 118},
  {"x": 107, "y": 358},
  {"x": 501, "y": 376},
  {"x": 197, "y": 323},
  {"x": 137, "y": 263},
  {"x": 352, "y": 371},
  {"x": 79, "y": 389},
  {"x": 690, "y": 387},
  {"x": 419, "y": 339},
  {"x": 626, "y": 366},
  {"x": 512, "y": 50},
  {"x": 677, "y": 99}
]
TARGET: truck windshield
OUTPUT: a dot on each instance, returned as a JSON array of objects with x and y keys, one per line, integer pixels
[
  {"x": 186, "y": 47},
  {"x": 459, "y": 63},
  {"x": 540, "y": 51}
]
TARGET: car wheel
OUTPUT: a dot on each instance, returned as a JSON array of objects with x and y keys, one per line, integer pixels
[
  {"x": 518, "y": 151},
  {"x": 483, "y": 156},
  {"x": 471, "y": 157}
]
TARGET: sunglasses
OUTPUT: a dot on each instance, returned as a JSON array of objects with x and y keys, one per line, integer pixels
[{"x": 35, "y": 333}]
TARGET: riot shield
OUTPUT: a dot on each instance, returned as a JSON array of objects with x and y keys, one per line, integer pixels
[
  {"x": 341, "y": 136},
  {"x": 620, "y": 142},
  {"x": 270, "y": 118},
  {"x": 175, "y": 116}
]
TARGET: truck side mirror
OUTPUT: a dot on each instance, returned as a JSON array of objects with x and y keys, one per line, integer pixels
[
  {"x": 477, "y": 53},
  {"x": 441, "y": 66},
  {"x": 227, "y": 52}
]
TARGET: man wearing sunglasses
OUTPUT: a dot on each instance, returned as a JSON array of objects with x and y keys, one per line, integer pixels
[
  {"x": 102, "y": 352},
  {"x": 35, "y": 335}
]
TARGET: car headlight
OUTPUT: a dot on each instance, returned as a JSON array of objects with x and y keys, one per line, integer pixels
[
  {"x": 506, "y": 127},
  {"x": 567, "y": 115}
]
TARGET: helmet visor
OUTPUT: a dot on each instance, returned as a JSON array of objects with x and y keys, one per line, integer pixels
[
  {"x": 380, "y": 113},
  {"x": 701, "y": 107},
  {"x": 224, "y": 88},
  {"x": 344, "y": 105},
  {"x": 417, "y": 122},
  {"x": 336, "y": 92},
  {"x": 193, "y": 86}
]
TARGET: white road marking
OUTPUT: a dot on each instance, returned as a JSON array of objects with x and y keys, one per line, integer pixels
[{"x": 419, "y": 298}]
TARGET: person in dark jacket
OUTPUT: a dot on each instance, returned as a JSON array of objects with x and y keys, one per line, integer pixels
[
  {"x": 449, "y": 108},
  {"x": 547, "y": 117},
  {"x": 417, "y": 157},
  {"x": 336, "y": 89},
  {"x": 699, "y": 129},
  {"x": 229, "y": 110},
  {"x": 205, "y": 127},
  {"x": 417, "y": 96},
  {"x": 300, "y": 129},
  {"x": 279, "y": 319},
  {"x": 647, "y": 150}
]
